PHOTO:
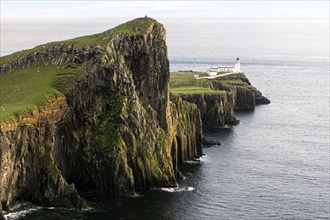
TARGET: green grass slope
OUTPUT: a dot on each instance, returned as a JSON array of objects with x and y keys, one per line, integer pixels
[
  {"x": 27, "y": 88},
  {"x": 186, "y": 83},
  {"x": 194, "y": 90},
  {"x": 134, "y": 27}
]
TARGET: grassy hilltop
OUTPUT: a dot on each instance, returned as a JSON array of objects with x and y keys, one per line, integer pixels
[
  {"x": 186, "y": 83},
  {"x": 134, "y": 27},
  {"x": 29, "y": 86}
]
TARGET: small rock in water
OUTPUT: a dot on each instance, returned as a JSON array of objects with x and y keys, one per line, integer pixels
[
  {"x": 1, "y": 216},
  {"x": 208, "y": 143},
  {"x": 180, "y": 175}
]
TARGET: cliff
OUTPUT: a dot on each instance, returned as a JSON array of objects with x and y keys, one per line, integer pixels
[
  {"x": 112, "y": 130},
  {"x": 216, "y": 110},
  {"x": 246, "y": 96},
  {"x": 217, "y": 99},
  {"x": 186, "y": 126}
]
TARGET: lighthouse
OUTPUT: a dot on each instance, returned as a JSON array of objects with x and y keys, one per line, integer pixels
[
  {"x": 237, "y": 67},
  {"x": 215, "y": 71}
]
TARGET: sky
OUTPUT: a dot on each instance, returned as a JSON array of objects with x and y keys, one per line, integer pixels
[{"x": 280, "y": 9}]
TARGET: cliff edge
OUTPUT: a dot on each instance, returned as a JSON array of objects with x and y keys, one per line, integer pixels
[
  {"x": 219, "y": 98},
  {"x": 108, "y": 126}
]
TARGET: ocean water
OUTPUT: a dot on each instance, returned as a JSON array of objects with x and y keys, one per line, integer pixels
[{"x": 274, "y": 164}]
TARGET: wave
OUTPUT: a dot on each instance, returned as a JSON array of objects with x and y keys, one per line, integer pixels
[
  {"x": 178, "y": 189},
  {"x": 136, "y": 195},
  {"x": 23, "y": 209},
  {"x": 192, "y": 161},
  {"x": 196, "y": 160},
  {"x": 19, "y": 214},
  {"x": 203, "y": 158}
]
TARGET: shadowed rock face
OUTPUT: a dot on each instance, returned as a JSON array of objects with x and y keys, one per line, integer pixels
[
  {"x": 1, "y": 216},
  {"x": 28, "y": 171},
  {"x": 245, "y": 95},
  {"x": 186, "y": 126},
  {"x": 112, "y": 131},
  {"x": 216, "y": 110}
]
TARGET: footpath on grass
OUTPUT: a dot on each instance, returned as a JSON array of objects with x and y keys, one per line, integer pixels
[{"x": 214, "y": 77}]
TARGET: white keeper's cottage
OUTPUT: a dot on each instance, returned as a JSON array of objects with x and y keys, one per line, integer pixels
[{"x": 214, "y": 71}]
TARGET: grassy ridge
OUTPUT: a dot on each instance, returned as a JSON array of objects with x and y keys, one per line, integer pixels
[
  {"x": 186, "y": 79},
  {"x": 134, "y": 27},
  {"x": 27, "y": 88},
  {"x": 186, "y": 83},
  {"x": 194, "y": 90}
]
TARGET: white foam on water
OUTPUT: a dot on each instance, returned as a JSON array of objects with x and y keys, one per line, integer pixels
[
  {"x": 51, "y": 208},
  {"x": 62, "y": 208},
  {"x": 197, "y": 160},
  {"x": 19, "y": 214},
  {"x": 136, "y": 195},
  {"x": 203, "y": 158},
  {"x": 88, "y": 209},
  {"x": 192, "y": 161},
  {"x": 177, "y": 189}
]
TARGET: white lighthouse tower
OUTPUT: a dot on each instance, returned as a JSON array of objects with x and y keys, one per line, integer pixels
[{"x": 237, "y": 67}]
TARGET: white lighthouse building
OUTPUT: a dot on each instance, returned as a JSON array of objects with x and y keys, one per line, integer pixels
[
  {"x": 214, "y": 71},
  {"x": 237, "y": 67}
]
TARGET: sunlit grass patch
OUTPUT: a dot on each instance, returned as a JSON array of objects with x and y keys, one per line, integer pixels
[{"x": 27, "y": 88}]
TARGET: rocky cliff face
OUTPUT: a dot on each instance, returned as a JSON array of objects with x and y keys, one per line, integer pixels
[
  {"x": 112, "y": 131},
  {"x": 246, "y": 96},
  {"x": 216, "y": 110},
  {"x": 186, "y": 126},
  {"x": 28, "y": 171}
]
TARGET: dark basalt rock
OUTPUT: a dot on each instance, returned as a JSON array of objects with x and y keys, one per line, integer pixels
[
  {"x": 208, "y": 143},
  {"x": 246, "y": 96},
  {"x": 55, "y": 55},
  {"x": 262, "y": 101},
  {"x": 216, "y": 110},
  {"x": 245, "y": 99},
  {"x": 1, "y": 215}
]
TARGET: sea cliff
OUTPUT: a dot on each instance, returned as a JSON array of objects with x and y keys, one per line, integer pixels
[
  {"x": 245, "y": 95},
  {"x": 112, "y": 130},
  {"x": 216, "y": 110},
  {"x": 217, "y": 99}
]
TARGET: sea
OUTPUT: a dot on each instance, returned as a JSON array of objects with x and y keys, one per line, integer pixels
[{"x": 273, "y": 165}]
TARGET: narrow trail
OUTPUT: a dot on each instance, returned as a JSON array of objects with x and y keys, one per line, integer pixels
[{"x": 213, "y": 77}]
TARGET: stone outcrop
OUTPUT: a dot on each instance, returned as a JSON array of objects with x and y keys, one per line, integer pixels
[
  {"x": 216, "y": 110},
  {"x": 112, "y": 131},
  {"x": 53, "y": 55},
  {"x": 246, "y": 96},
  {"x": 28, "y": 171},
  {"x": 186, "y": 126},
  {"x": 208, "y": 142}
]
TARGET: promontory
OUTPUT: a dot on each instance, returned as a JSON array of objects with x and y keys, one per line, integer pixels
[{"x": 94, "y": 114}]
